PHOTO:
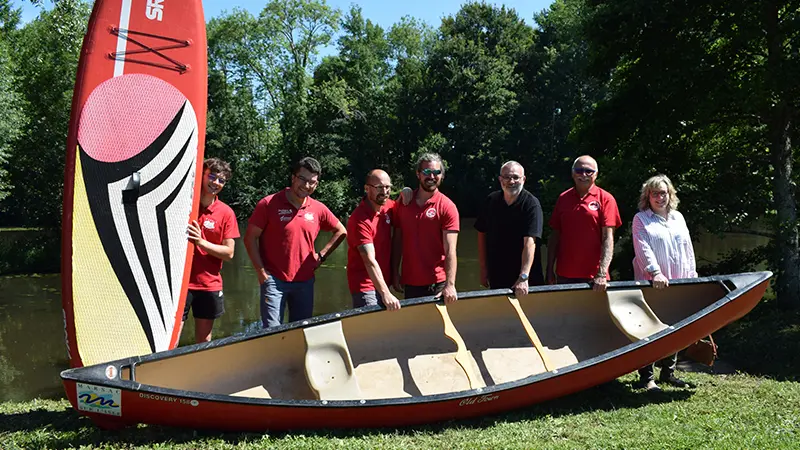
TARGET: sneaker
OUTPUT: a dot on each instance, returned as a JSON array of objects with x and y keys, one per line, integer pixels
[
  {"x": 648, "y": 385},
  {"x": 672, "y": 380}
]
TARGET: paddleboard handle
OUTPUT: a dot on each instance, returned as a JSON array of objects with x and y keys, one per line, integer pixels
[{"x": 131, "y": 192}]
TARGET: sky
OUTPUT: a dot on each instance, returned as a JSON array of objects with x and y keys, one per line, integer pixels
[{"x": 383, "y": 12}]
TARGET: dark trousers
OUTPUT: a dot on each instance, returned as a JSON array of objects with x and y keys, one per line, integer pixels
[
  {"x": 423, "y": 291},
  {"x": 667, "y": 368}
]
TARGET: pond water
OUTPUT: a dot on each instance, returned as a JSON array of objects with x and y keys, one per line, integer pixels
[{"x": 32, "y": 349}]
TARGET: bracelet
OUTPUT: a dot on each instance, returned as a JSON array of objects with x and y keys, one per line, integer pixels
[{"x": 321, "y": 257}]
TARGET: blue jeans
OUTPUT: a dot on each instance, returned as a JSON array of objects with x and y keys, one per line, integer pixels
[{"x": 276, "y": 295}]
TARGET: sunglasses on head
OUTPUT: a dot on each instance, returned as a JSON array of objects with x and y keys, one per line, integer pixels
[
  {"x": 218, "y": 178},
  {"x": 582, "y": 171},
  {"x": 427, "y": 172}
]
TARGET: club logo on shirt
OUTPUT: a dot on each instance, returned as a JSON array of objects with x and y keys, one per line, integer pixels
[
  {"x": 388, "y": 220},
  {"x": 209, "y": 224},
  {"x": 430, "y": 213},
  {"x": 594, "y": 205},
  {"x": 309, "y": 216},
  {"x": 286, "y": 215}
]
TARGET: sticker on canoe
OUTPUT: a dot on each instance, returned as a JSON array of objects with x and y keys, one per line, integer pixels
[
  {"x": 476, "y": 400},
  {"x": 168, "y": 399},
  {"x": 99, "y": 399}
]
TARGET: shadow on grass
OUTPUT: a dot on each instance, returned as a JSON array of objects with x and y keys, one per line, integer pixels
[
  {"x": 66, "y": 428},
  {"x": 764, "y": 343}
]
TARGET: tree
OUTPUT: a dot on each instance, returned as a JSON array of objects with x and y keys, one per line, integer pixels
[
  {"x": 45, "y": 52},
  {"x": 475, "y": 91},
  {"x": 11, "y": 118},
  {"x": 707, "y": 93},
  {"x": 260, "y": 71}
]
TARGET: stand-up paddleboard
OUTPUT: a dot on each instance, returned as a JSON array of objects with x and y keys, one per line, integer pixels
[{"x": 134, "y": 153}]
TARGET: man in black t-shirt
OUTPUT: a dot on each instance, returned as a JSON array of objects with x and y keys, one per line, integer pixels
[{"x": 509, "y": 226}]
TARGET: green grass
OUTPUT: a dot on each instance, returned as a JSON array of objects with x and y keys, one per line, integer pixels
[
  {"x": 757, "y": 407},
  {"x": 724, "y": 411}
]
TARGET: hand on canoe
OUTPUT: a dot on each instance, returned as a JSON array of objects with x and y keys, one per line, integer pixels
[
  {"x": 600, "y": 283},
  {"x": 391, "y": 302},
  {"x": 660, "y": 281},
  {"x": 449, "y": 294},
  {"x": 520, "y": 288}
]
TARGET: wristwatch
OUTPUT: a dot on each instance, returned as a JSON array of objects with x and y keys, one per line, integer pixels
[{"x": 523, "y": 276}]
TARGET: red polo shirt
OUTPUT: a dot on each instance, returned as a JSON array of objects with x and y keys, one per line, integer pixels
[
  {"x": 365, "y": 226},
  {"x": 579, "y": 221},
  {"x": 423, "y": 246},
  {"x": 217, "y": 223},
  {"x": 286, "y": 245}
]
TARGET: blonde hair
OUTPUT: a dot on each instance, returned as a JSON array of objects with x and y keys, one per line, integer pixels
[{"x": 652, "y": 184}]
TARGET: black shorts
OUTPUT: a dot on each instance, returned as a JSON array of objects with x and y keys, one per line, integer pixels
[{"x": 204, "y": 304}]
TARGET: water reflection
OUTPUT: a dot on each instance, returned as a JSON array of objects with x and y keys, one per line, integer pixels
[{"x": 32, "y": 349}]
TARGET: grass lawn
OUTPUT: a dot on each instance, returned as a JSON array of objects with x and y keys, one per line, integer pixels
[{"x": 756, "y": 407}]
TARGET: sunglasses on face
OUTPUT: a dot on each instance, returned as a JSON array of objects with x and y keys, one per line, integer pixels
[
  {"x": 212, "y": 177},
  {"x": 582, "y": 171},
  {"x": 428, "y": 172}
]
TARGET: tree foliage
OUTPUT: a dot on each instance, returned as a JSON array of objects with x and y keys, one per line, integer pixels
[{"x": 706, "y": 92}]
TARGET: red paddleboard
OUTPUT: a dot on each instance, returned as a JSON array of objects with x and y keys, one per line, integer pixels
[{"x": 134, "y": 159}]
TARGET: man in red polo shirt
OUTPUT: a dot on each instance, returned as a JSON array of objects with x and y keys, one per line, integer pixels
[
  {"x": 426, "y": 233},
  {"x": 369, "y": 245},
  {"x": 280, "y": 243},
  {"x": 582, "y": 242},
  {"x": 212, "y": 235}
]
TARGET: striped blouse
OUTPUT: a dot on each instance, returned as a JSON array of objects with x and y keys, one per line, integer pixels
[{"x": 662, "y": 245}]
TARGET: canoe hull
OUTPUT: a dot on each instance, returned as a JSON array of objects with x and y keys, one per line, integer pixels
[{"x": 154, "y": 405}]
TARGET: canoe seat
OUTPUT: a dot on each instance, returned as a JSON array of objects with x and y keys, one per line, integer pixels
[
  {"x": 632, "y": 315},
  {"x": 329, "y": 368}
]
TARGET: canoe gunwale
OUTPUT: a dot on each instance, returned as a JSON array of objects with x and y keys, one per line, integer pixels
[{"x": 96, "y": 374}]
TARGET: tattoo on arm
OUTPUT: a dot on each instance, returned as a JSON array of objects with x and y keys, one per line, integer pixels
[{"x": 606, "y": 252}]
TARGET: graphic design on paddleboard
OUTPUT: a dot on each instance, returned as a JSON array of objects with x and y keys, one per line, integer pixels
[{"x": 137, "y": 187}]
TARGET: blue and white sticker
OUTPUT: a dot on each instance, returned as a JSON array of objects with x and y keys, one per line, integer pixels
[{"x": 99, "y": 399}]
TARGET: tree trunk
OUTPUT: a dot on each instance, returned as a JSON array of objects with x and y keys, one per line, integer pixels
[
  {"x": 779, "y": 127},
  {"x": 788, "y": 281}
]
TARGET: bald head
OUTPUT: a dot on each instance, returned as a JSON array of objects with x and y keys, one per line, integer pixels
[
  {"x": 510, "y": 166},
  {"x": 582, "y": 161},
  {"x": 375, "y": 176}
]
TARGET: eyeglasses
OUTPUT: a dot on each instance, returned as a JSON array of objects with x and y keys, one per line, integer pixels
[
  {"x": 582, "y": 171},
  {"x": 212, "y": 177},
  {"x": 661, "y": 194},
  {"x": 381, "y": 187},
  {"x": 306, "y": 180},
  {"x": 511, "y": 177},
  {"x": 428, "y": 172}
]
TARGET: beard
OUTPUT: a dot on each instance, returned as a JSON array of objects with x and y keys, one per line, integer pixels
[
  {"x": 513, "y": 190},
  {"x": 429, "y": 185},
  {"x": 381, "y": 199}
]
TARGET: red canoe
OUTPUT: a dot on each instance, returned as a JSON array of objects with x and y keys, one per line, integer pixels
[{"x": 368, "y": 367}]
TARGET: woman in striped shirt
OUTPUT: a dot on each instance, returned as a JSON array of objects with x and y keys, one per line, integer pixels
[{"x": 664, "y": 252}]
